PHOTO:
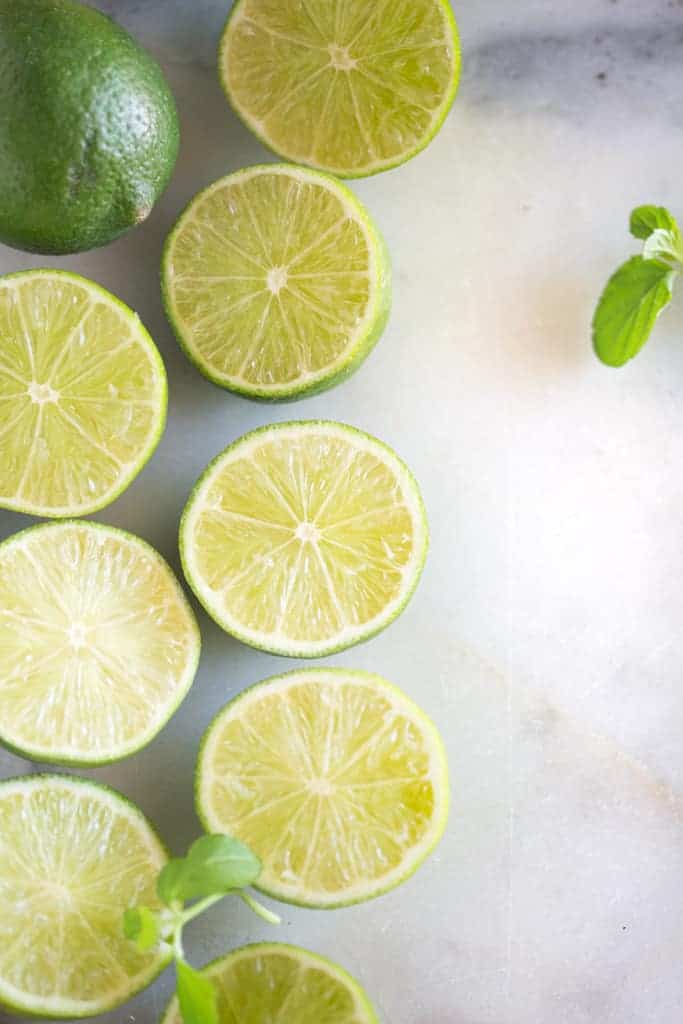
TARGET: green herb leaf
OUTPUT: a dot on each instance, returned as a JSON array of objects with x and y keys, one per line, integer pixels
[
  {"x": 646, "y": 219},
  {"x": 141, "y": 926},
  {"x": 214, "y": 865},
  {"x": 664, "y": 245},
  {"x": 170, "y": 880},
  {"x": 219, "y": 864},
  {"x": 631, "y": 302},
  {"x": 196, "y": 995}
]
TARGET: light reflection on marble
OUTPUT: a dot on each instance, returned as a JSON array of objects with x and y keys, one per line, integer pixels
[{"x": 545, "y": 638}]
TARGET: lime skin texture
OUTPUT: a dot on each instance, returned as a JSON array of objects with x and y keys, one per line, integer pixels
[{"x": 89, "y": 130}]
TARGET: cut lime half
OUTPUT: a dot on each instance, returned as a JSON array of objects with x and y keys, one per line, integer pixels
[
  {"x": 98, "y": 643},
  {"x": 349, "y": 86},
  {"x": 82, "y": 394},
  {"x": 73, "y": 856},
  {"x": 304, "y": 538},
  {"x": 272, "y": 981},
  {"x": 277, "y": 282},
  {"x": 334, "y": 778}
]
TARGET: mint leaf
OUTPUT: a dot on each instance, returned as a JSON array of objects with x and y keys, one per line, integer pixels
[
  {"x": 218, "y": 864},
  {"x": 169, "y": 881},
  {"x": 196, "y": 995},
  {"x": 141, "y": 926},
  {"x": 213, "y": 866},
  {"x": 631, "y": 302},
  {"x": 664, "y": 245},
  {"x": 646, "y": 219}
]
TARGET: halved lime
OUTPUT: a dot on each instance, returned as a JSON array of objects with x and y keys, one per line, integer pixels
[
  {"x": 277, "y": 282},
  {"x": 334, "y": 778},
  {"x": 304, "y": 538},
  {"x": 98, "y": 644},
  {"x": 272, "y": 981},
  {"x": 82, "y": 394},
  {"x": 349, "y": 86},
  {"x": 73, "y": 856}
]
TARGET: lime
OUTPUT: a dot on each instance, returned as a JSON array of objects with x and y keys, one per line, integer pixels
[
  {"x": 88, "y": 127},
  {"x": 73, "y": 856},
  {"x": 98, "y": 644},
  {"x": 82, "y": 394},
  {"x": 334, "y": 778},
  {"x": 272, "y": 981},
  {"x": 277, "y": 282},
  {"x": 349, "y": 86},
  {"x": 304, "y": 538}
]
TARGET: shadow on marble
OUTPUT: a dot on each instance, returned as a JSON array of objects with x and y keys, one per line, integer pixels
[{"x": 577, "y": 72}]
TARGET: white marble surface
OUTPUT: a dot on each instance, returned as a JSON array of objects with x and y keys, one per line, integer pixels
[{"x": 545, "y": 638}]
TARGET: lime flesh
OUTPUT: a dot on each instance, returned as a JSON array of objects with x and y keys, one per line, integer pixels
[
  {"x": 334, "y": 778},
  {"x": 82, "y": 394},
  {"x": 349, "y": 86},
  {"x": 304, "y": 538},
  {"x": 98, "y": 644},
  {"x": 73, "y": 856},
  {"x": 282, "y": 983},
  {"x": 277, "y": 282}
]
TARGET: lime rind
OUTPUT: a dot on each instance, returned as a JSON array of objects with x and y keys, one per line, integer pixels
[
  {"x": 365, "y": 1013},
  {"x": 368, "y": 332},
  {"x": 90, "y": 131},
  {"x": 346, "y": 172},
  {"x": 410, "y": 865},
  {"x": 65, "y": 757},
  {"x": 160, "y": 399},
  {"x": 318, "y": 649},
  {"x": 17, "y": 1002}
]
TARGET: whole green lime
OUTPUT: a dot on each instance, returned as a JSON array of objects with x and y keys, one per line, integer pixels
[{"x": 88, "y": 127}]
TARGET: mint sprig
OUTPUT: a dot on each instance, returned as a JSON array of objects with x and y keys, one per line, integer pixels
[
  {"x": 214, "y": 867},
  {"x": 639, "y": 290}
]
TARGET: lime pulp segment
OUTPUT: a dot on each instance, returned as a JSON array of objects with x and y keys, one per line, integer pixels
[
  {"x": 98, "y": 644},
  {"x": 82, "y": 394},
  {"x": 73, "y": 856},
  {"x": 334, "y": 778},
  {"x": 349, "y": 86},
  {"x": 304, "y": 538},
  {"x": 276, "y": 281},
  {"x": 282, "y": 983}
]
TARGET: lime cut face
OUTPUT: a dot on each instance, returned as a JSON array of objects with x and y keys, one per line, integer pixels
[
  {"x": 98, "y": 644},
  {"x": 277, "y": 982},
  {"x": 82, "y": 394},
  {"x": 334, "y": 778},
  {"x": 277, "y": 282},
  {"x": 304, "y": 538},
  {"x": 349, "y": 86},
  {"x": 73, "y": 856}
]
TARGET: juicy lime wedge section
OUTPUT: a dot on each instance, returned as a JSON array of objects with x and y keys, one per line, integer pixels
[
  {"x": 272, "y": 981},
  {"x": 334, "y": 778},
  {"x": 82, "y": 394},
  {"x": 98, "y": 644},
  {"x": 349, "y": 86},
  {"x": 73, "y": 856},
  {"x": 276, "y": 282},
  {"x": 304, "y": 538}
]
